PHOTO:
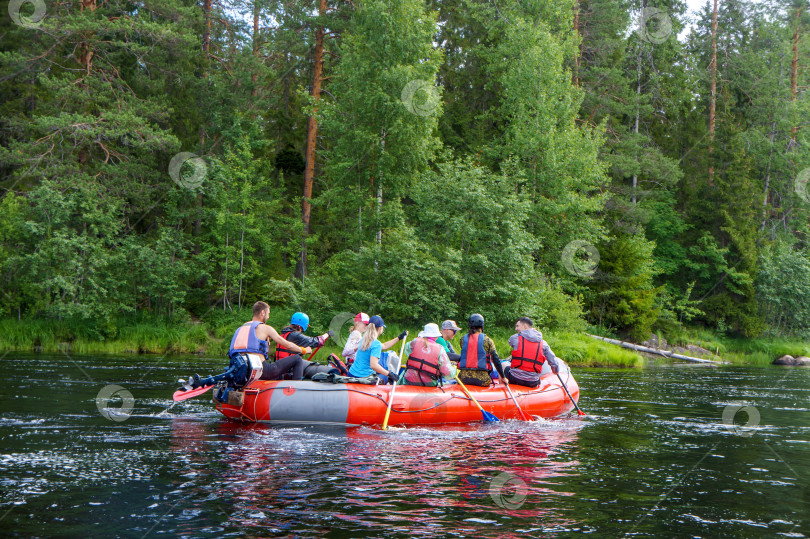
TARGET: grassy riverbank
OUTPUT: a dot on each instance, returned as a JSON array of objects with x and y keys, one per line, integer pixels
[
  {"x": 759, "y": 351},
  {"x": 211, "y": 336}
]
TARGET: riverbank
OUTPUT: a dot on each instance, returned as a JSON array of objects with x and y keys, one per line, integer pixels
[
  {"x": 211, "y": 337},
  {"x": 758, "y": 351}
]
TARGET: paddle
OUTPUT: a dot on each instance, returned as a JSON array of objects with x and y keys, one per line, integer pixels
[
  {"x": 487, "y": 416},
  {"x": 181, "y": 395},
  {"x": 523, "y": 415},
  {"x": 391, "y": 397},
  {"x": 314, "y": 352},
  {"x": 579, "y": 410}
]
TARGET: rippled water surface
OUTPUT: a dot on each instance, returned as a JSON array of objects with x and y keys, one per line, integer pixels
[{"x": 661, "y": 453}]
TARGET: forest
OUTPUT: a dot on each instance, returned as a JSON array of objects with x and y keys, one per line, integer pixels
[{"x": 615, "y": 166}]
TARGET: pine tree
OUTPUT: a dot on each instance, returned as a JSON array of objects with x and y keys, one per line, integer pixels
[{"x": 382, "y": 124}]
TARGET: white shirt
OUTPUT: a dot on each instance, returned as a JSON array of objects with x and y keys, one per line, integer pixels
[{"x": 352, "y": 344}]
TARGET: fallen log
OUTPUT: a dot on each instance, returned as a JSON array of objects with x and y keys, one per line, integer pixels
[{"x": 665, "y": 353}]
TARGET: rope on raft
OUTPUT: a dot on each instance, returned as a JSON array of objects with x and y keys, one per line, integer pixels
[{"x": 385, "y": 403}]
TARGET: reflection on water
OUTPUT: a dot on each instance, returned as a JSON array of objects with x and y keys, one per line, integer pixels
[
  {"x": 655, "y": 457},
  {"x": 364, "y": 479}
]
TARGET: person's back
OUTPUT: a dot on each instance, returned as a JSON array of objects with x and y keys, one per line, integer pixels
[
  {"x": 251, "y": 342},
  {"x": 531, "y": 355},
  {"x": 248, "y": 349},
  {"x": 427, "y": 359},
  {"x": 245, "y": 341},
  {"x": 478, "y": 355}
]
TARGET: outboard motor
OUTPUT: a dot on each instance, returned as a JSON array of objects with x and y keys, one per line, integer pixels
[{"x": 243, "y": 369}]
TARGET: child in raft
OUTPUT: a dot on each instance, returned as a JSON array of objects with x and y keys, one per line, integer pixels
[
  {"x": 361, "y": 321},
  {"x": 370, "y": 358}
]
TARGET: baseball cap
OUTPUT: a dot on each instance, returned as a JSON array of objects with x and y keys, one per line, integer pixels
[
  {"x": 450, "y": 324},
  {"x": 361, "y": 317},
  {"x": 377, "y": 321}
]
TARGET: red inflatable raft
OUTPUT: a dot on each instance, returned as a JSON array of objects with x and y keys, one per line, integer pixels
[{"x": 359, "y": 404}]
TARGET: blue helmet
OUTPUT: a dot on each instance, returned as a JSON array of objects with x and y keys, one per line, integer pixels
[{"x": 300, "y": 319}]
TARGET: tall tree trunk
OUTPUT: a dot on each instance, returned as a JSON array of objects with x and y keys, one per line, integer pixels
[
  {"x": 638, "y": 113},
  {"x": 379, "y": 210},
  {"x": 380, "y": 190},
  {"x": 84, "y": 54},
  {"x": 794, "y": 71},
  {"x": 206, "y": 41},
  {"x": 713, "y": 92},
  {"x": 198, "y": 220},
  {"x": 768, "y": 176},
  {"x": 206, "y": 46},
  {"x": 254, "y": 76},
  {"x": 578, "y": 57},
  {"x": 312, "y": 140},
  {"x": 359, "y": 215},
  {"x": 225, "y": 286},
  {"x": 241, "y": 262}
]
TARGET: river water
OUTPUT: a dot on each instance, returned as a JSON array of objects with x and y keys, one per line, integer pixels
[{"x": 664, "y": 451}]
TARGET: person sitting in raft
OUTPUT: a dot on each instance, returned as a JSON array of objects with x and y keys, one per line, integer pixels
[
  {"x": 252, "y": 339},
  {"x": 531, "y": 355},
  {"x": 350, "y": 350},
  {"x": 478, "y": 355},
  {"x": 356, "y": 335},
  {"x": 299, "y": 322},
  {"x": 449, "y": 329},
  {"x": 427, "y": 359},
  {"x": 369, "y": 354}
]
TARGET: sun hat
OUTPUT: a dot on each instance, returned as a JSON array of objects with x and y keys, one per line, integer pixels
[{"x": 431, "y": 330}]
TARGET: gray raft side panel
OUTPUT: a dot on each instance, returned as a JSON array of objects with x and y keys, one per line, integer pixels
[{"x": 311, "y": 402}]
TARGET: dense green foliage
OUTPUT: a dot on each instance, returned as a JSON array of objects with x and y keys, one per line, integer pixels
[{"x": 550, "y": 159}]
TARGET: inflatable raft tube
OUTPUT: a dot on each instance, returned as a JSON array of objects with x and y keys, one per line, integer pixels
[{"x": 312, "y": 403}]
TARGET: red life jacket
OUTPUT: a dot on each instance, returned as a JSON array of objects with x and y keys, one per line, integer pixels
[
  {"x": 283, "y": 352},
  {"x": 425, "y": 361},
  {"x": 528, "y": 356}
]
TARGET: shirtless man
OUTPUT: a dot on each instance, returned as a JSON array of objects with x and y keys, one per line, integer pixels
[{"x": 253, "y": 338}]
